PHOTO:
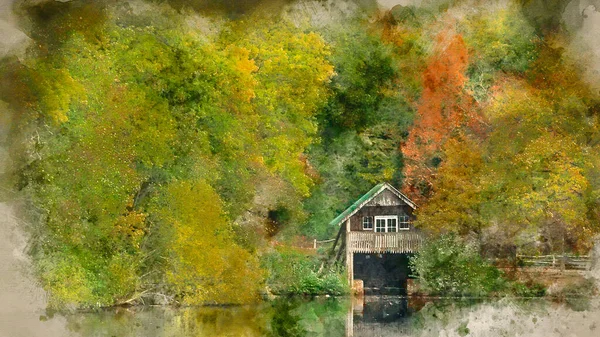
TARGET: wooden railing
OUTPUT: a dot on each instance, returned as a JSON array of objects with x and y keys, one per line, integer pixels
[
  {"x": 556, "y": 261},
  {"x": 400, "y": 242}
]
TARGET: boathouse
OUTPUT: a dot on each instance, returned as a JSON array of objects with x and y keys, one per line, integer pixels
[{"x": 376, "y": 237}]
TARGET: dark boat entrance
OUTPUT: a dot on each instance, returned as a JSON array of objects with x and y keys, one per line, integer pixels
[{"x": 385, "y": 273}]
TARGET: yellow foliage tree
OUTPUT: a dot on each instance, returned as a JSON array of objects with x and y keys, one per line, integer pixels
[
  {"x": 537, "y": 162},
  {"x": 456, "y": 197},
  {"x": 205, "y": 264},
  {"x": 292, "y": 72}
]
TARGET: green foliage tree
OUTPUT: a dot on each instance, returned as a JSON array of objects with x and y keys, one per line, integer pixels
[
  {"x": 449, "y": 267},
  {"x": 364, "y": 69},
  {"x": 361, "y": 126},
  {"x": 118, "y": 120},
  {"x": 501, "y": 41}
]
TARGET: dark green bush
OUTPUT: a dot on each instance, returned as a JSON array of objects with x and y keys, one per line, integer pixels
[{"x": 446, "y": 266}]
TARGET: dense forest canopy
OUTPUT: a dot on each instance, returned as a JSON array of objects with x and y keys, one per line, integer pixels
[{"x": 164, "y": 148}]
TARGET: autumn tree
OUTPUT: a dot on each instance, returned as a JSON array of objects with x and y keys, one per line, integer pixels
[
  {"x": 501, "y": 41},
  {"x": 444, "y": 109},
  {"x": 204, "y": 263},
  {"x": 151, "y": 103},
  {"x": 457, "y": 195},
  {"x": 540, "y": 177}
]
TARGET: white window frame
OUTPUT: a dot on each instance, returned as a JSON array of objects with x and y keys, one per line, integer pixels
[
  {"x": 404, "y": 219},
  {"x": 375, "y": 224},
  {"x": 371, "y": 221},
  {"x": 385, "y": 228}
]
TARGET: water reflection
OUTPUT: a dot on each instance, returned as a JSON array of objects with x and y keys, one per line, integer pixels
[
  {"x": 283, "y": 317},
  {"x": 415, "y": 316},
  {"x": 381, "y": 316},
  {"x": 297, "y": 317}
]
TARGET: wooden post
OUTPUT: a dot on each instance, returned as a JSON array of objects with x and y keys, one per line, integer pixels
[
  {"x": 562, "y": 260},
  {"x": 350, "y": 320},
  {"x": 341, "y": 249},
  {"x": 336, "y": 240},
  {"x": 315, "y": 244},
  {"x": 349, "y": 255}
]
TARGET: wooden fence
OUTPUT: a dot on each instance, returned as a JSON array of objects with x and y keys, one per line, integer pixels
[
  {"x": 317, "y": 243},
  {"x": 583, "y": 262}
]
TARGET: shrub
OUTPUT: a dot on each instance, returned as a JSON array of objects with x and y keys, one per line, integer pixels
[
  {"x": 446, "y": 266},
  {"x": 529, "y": 289},
  {"x": 294, "y": 272},
  {"x": 66, "y": 281}
]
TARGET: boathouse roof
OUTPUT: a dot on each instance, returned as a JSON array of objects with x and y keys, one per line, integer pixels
[{"x": 358, "y": 204}]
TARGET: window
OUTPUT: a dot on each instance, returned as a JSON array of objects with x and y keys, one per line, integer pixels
[
  {"x": 404, "y": 222},
  {"x": 367, "y": 222},
  {"x": 379, "y": 224},
  {"x": 392, "y": 225},
  {"x": 386, "y": 223}
]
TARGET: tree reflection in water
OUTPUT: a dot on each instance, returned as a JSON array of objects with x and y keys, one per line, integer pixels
[{"x": 382, "y": 316}]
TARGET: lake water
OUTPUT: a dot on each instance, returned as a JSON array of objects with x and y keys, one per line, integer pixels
[{"x": 371, "y": 316}]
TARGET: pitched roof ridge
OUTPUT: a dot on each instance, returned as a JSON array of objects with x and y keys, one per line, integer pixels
[
  {"x": 401, "y": 195},
  {"x": 365, "y": 198}
]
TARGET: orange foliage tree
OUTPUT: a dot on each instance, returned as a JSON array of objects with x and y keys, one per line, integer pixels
[{"x": 445, "y": 108}]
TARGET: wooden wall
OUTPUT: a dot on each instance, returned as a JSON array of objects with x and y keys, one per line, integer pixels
[{"x": 356, "y": 219}]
